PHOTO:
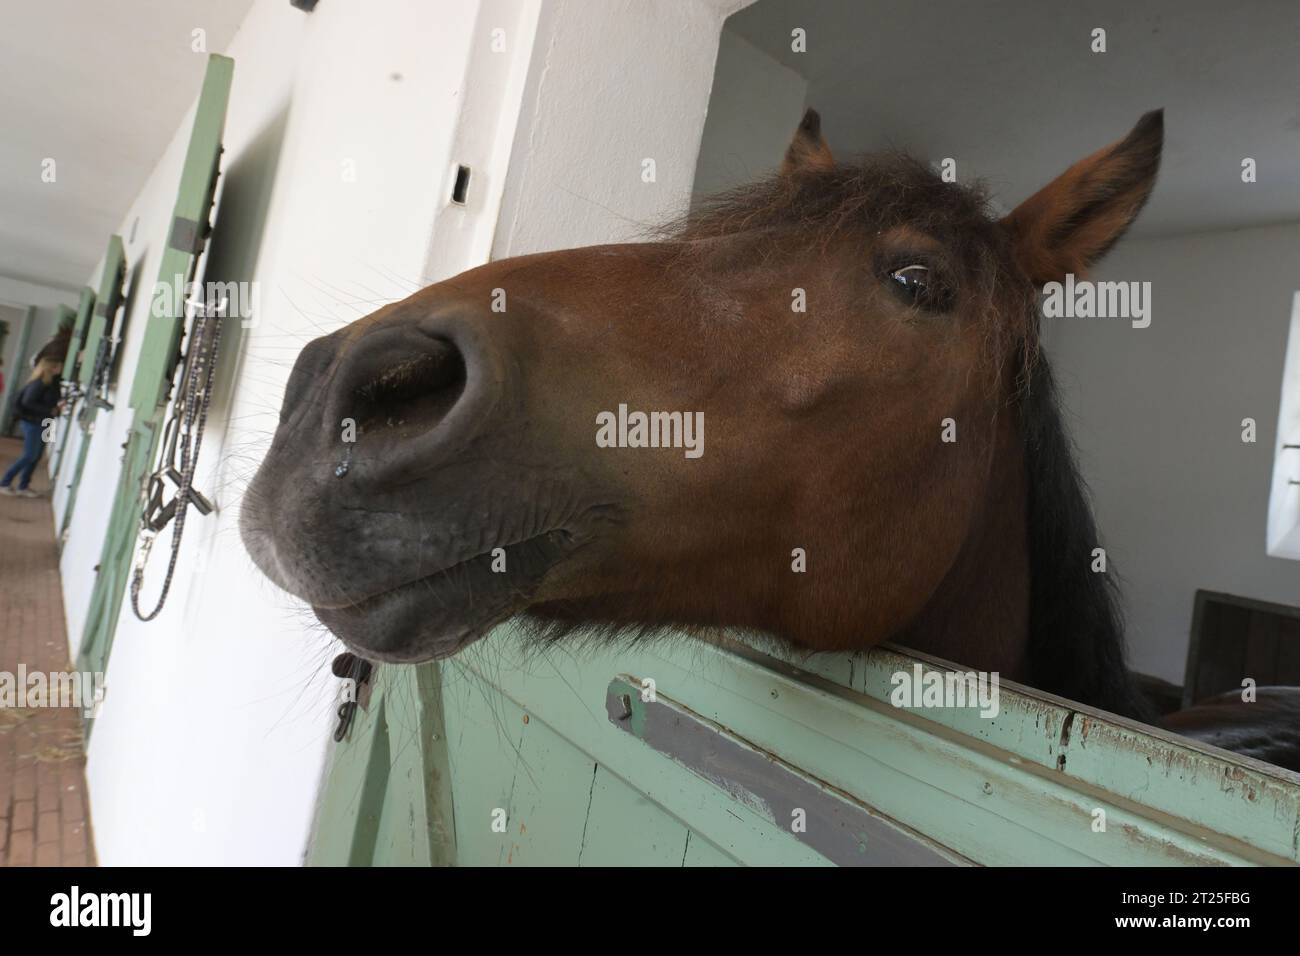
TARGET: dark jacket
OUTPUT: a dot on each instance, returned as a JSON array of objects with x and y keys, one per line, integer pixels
[{"x": 37, "y": 400}]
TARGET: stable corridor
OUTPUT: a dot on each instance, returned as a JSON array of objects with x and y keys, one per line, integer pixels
[{"x": 44, "y": 816}]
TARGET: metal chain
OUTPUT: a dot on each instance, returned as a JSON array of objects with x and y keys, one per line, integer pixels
[{"x": 205, "y": 326}]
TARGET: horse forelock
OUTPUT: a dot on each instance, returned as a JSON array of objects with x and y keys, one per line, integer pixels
[{"x": 851, "y": 202}]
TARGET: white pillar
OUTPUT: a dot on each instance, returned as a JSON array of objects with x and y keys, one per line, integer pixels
[{"x": 610, "y": 86}]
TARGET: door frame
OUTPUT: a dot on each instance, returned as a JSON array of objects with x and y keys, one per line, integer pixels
[
  {"x": 99, "y": 329},
  {"x": 76, "y": 343}
]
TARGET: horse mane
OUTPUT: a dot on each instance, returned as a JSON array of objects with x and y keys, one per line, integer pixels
[
  {"x": 1076, "y": 632},
  {"x": 880, "y": 189}
]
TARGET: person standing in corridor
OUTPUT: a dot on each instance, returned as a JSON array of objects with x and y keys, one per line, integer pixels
[{"x": 37, "y": 403}]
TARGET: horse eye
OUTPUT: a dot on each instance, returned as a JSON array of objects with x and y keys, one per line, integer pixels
[
  {"x": 914, "y": 280},
  {"x": 920, "y": 286}
]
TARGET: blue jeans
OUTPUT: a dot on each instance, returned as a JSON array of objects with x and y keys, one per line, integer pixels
[{"x": 33, "y": 448}]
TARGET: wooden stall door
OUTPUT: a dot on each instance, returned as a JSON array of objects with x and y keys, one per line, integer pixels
[
  {"x": 734, "y": 756},
  {"x": 1235, "y": 638},
  {"x": 91, "y": 377},
  {"x": 75, "y": 345}
]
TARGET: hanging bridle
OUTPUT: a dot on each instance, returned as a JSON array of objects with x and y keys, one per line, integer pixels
[{"x": 184, "y": 433}]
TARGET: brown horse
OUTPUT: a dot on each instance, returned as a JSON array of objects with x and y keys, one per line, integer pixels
[{"x": 884, "y": 455}]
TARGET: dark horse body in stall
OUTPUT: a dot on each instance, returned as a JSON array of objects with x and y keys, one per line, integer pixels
[{"x": 862, "y": 342}]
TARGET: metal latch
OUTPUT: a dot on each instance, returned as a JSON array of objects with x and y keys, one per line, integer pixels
[{"x": 350, "y": 667}]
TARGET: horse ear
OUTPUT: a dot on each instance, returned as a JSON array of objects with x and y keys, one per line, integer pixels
[
  {"x": 1073, "y": 221},
  {"x": 808, "y": 150}
]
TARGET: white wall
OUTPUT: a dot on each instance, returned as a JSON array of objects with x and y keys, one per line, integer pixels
[
  {"x": 612, "y": 84},
  {"x": 1284, "y": 494},
  {"x": 1182, "y": 502},
  {"x": 158, "y": 743},
  {"x": 210, "y": 743},
  {"x": 20, "y": 292},
  {"x": 755, "y": 106}
]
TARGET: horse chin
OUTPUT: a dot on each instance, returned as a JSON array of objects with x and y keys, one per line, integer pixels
[{"x": 435, "y": 616}]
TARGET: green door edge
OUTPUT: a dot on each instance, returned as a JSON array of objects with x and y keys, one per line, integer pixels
[
  {"x": 99, "y": 328},
  {"x": 85, "y": 305},
  {"x": 70, "y": 367},
  {"x": 156, "y": 365}
]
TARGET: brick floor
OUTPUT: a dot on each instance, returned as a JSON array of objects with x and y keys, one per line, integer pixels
[{"x": 44, "y": 820}]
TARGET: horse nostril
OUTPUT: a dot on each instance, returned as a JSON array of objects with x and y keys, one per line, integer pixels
[
  {"x": 308, "y": 374},
  {"x": 411, "y": 393}
]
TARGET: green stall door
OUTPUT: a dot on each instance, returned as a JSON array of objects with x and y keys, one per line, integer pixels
[
  {"x": 92, "y": 371},
  {"x": 80, "y": 329},
  {"x": 713, "y": 753},
  {"x": 72, "y": 393},
  {"x": 89, "y": 378},
  {"x": 157, "y": 362}
]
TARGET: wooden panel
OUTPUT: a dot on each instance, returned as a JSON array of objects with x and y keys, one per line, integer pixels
[
  {"x": 1024, "y": 787},
  {"x": 501, "y": 762},
  {"x": 532, "y": 734},
  {"x": 624, "y": 828},
  {"x": 1260, "y": 662},
  {"x": 480, "y": 727},
  {"x": 1050, "y": 764},
  {"x": 1288, "y": 651},
  {"x": 565, "y": 696},
  {"x": 1234, "y": 638},
  {"x": 559, "y": 806},
  {"x": 700, "y": 852},
  {"x": 550, "y": 793},
  {"x": 1222, "y": 651}
]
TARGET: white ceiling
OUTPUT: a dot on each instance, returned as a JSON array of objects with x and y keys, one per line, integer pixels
[
  {"x": 1008, "y": 87},
  {"x": 1011, "y": 90},
  {"x": 99, "y": 87}
]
